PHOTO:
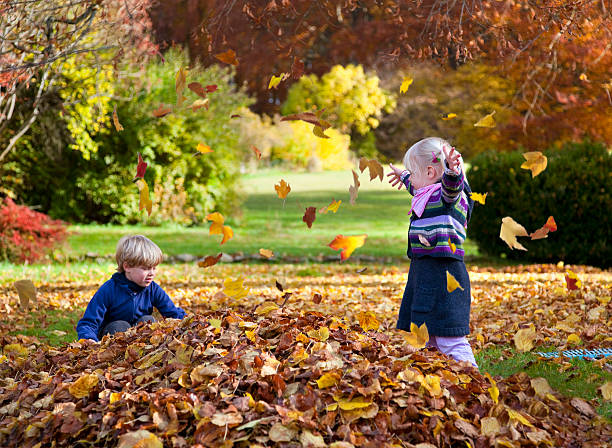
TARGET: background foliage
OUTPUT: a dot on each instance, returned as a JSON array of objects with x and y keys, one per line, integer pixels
[{"x": 574, "y": 188}]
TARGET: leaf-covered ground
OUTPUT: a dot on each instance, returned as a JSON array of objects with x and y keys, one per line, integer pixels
[{"x": 247, "y": 371}]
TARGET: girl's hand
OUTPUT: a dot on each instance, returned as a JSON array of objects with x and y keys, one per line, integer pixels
[
  {"x": 395, "y": 177},
  {"x": 452, "y": 159}
]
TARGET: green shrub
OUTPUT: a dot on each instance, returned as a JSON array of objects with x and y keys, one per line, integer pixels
[{"x": 574, "y": 189}]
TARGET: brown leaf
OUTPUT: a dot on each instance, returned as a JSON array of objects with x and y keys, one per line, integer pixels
[
  {"x": 228, "y": 57},
  {"x": 209, "y": 261},
  {"x": 309, "y": 216},
  {"x": 197, "y": 88},
  {"x": 162, "y": 111}
]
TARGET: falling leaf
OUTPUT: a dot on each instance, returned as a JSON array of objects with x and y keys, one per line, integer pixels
[
  {"x": 211, "y": 88},
  {"x": 452, "y": 283},
  {"x": 209, "y": 261},
  {"x": 606, "y": 390},
  {"x": 203, "y": 149},
  {"x": 276, "y": 80},
  {"x": 279, "y": 286},
  {"x": 199, "y": 103},
  {"x": 406, "y": 82},
  {"x": 353, "y": 189},
  {"x": 486, "y": 122},
  {"x": 84, "y": 385},
  {"x": 234, "y": 288},
  {"x": 583, "y": 77},
  {"x": 179, "y": 84},
  {"x": 524, "y": 338},
  {"x": 162, "y": 111},
  {"x": 479, "y": 197},
  {"x": 542, "y": 232},
  {"x": 145, "y": 201},
  {"x": 347, "y": 244},
  {"x": 367, "y": 320},
  {"x": 256, "y": 151},
  {"x": 449, "y": 116},
  {"x": 197, "y": 88},
  {"x": 235, "y": 116},
  {"x": 328, "y": 380},
  {"x": 118, "y": 126},
  {"x": 217, "y": 227},
  {"x": 319, "y": 132},
  {"x": 267, "y": 253},
  {"x": 376, "y": 169},
  {"x": 139, "y": 439},
  {"x": 535, "y": 161},
  {"x": 333, "y": 207},
  {"x": 141, "y": 167},
  {"x": 361, "y": 271},
  {"x": 282, "y": 189},
  {"x": 309, "y": 216},
  {"x": 418, "y": 336},
  {"x": 228, "y": 57},
  {"x": 572, "y": 281},
  {"x": 453, "y": 246},
  {"x": 26, "y": 291},
  {"x": 297, "y": 68},
  {"x": 510, "y": 229}
]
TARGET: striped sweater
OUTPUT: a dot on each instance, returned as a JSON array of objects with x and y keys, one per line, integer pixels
[{"x": 445, "y": 217}]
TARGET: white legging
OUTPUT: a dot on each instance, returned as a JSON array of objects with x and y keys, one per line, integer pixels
[{"x": 457, "y": 347}]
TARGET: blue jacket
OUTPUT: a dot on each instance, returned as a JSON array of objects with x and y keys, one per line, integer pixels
[{"x": 122, "y": 299}]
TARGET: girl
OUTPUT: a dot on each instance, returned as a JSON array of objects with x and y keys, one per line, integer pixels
[{"x": 439, "y": 215}]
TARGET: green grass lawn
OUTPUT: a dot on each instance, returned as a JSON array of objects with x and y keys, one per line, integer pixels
[{"x": 269, "y": 222}]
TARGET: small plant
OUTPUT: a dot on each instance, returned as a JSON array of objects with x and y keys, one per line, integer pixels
[{"x": 27, "y": 235}]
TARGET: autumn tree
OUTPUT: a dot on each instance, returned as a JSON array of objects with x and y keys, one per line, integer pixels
[{"x": 39, "y": 36}]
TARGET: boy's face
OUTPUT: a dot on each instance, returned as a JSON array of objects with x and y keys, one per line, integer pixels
[{"x": 141, "y": 275}]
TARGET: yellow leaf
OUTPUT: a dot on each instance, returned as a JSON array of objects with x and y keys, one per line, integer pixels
[
  {"x": 486, "y": 122},
  {"x": 139, "y": 439},
  {"x": 573, "y": 339},
  {"x": 510, "y": 229},
  {"x": 333, "y": 207},
  {"x": 406, "y": 82},
  {"x": 349, "y": 405},
  {"x": 328, "y": 380},
  {"x": 234, "y": 288},
  {"x": 266, "y": 253},
  {"x": 479, "y": 197},
  {"x": 523, "y": 339},
  {"x": 266, "y": 308},
  {"x": 606, "y": 390},
  {"x": 452, "y": 246},
  {"x": 215, "y": 323},
  {"x": 282, "y": 189},
  {"x": 204, "y": 149},
  {"x": 275, "y": 80},
  {"x": 347, "y": 244},
  {"x": 217, "y": 227},
  {"x": 114, "y": 397},
  {"x": 517, "y": 416},
  {"x": 319, "y": 132},
  {"x": 367, "y": 320},
  {"x": 26, "y": 291},
  {"x": 17, "y": 349},
  {"x": 322, "y": 334},
  {"x": 250, "y": 335},
  {"x": 534, "y": 161},
  {"x": 418, "y": 336},
  {"x": 452, "y": 283},
  {"x": 432, "y": 384},
  {"x": 83, "y": 386},
  {"x": 145, "y": 201},
  {"x": 180, "y": 82},
  {"x": 450, "y": 116},
  {"x": 583, "y": 77}
]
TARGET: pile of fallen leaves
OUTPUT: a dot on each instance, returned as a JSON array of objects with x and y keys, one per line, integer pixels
[{"x": 271, "y": 376}]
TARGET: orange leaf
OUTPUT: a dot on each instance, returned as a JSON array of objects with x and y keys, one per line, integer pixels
[
  {"x": 534, "y": 161},
  {"x": 309, "y": 216},
  {"x": 256, "y": 151},
  {"x": 228, "y": 233},
  {"x": 162, "y": 111},
  {"x": 376, "y": 169},
  {"x": 347, "y": 244},
  {"x": 229, "y": 57},
  {"x": 118, "y": 126},
  {"x": 282, "y": 189},
  {"x": 217, "y": 227},
  {"x": 551, "y": 224},
  {"x": 367, "y": 321},
  {"x": 203, "y": 149},
  {"x": 209, "y": 261},
  {"x": 266, "y": 253}
]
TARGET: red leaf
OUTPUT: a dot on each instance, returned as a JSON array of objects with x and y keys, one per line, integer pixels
[
  {"x": 197, "y": 88},
  {"x": 140, "y": 168},
  {"x": 310, "y": 216},
  {"x": 211, "y": 88}
]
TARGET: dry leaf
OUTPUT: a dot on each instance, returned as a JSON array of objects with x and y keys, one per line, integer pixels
[
  {"x": 449, "y": 116},
  {"x": 266, "y": 253},
  {"x": 228, "y": 57},
  {"x": 139, "y": 439},
  {"x": 234, "y": 288},
  {"x": 83, "y": 386},
  {"x": 572, "y": 282},
  {"x": 179, "y": 84},
  {"x": 209, "y": 261},
  {"x": 353, "y": 189},
  {"x": 534, "y": 161},
  {"x": 197, "y": 88},
  {"x": 452, "y": 283},
  {"x": 26, "y": 291},
  {"x": 524, "y": 338},
  {"x": 347, "y": 244},
  {"x": 478, "y": 197},
  {"x": 256, "y": 151},
  {"x": 332, "y": 207},
  {"x": 510, "y": 229},
  {"x": 276, "y": 80},
  {"x": 297, "y": 68},
  {"x": 162, "y": 111},
  {"x": 145, "y": 201},
  {"x": 203, "y": 149},
  {"x": 486, "y": 122},
  {"x": 118, "y": 126},
  {"x": 282, "y": 189},
  {"x": 141, "y": 167},
  {"x": 418, "y": 336},
  {"x": 198, "y": 104},
  {"x": 606, "y": 390},
  {"x": 218, "y": 228},
  {"x": 406, "y": 82},
  {"x": 376, "y": 169},
  {"x": 309, "y": 216},
  {"x": 367, "y": 320}
]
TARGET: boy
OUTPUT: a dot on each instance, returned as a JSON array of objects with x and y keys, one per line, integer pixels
[{"x": 129, "y": 296}]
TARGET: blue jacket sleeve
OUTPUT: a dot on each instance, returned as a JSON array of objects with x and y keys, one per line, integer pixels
[
  {"x": 89, "y": 325},
  {"x": 164, "y": 304}
]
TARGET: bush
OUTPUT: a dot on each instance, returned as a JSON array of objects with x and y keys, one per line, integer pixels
[
  {"x": 574, "y": 189},
  {"x": 27, "y": 235}
]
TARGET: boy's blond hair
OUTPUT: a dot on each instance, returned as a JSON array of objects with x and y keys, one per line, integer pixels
[{"x": 137, "y": 250}]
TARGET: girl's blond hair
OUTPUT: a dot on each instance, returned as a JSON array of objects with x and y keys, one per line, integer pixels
[
  {"x": 137, "y": 250},
  {"x": 428, "y": 152}
]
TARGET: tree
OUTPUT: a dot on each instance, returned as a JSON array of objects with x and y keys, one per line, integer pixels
[{"x": 39, "y": 36}]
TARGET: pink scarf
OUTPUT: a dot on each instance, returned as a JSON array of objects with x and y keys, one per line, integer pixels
[{"x": 421, "y": 198}]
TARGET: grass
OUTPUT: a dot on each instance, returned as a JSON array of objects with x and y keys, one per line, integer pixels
[
  {"x": 269, "y": 222},
  {"x": 581, "y": 379},
  {"x": 53, "y": 327}
]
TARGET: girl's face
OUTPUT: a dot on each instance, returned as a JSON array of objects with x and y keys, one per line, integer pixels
[
  {"x": 423, "y": 178},
  {"x": 141, "y": 275}
]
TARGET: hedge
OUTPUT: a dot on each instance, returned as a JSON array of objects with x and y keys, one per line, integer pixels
[{"x": 574, "y": 189}]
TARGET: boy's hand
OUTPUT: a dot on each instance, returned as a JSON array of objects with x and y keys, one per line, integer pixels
[
  {"x": 88, "y": 341},
  {"x": 395, "y": 177},
  {"x": 452, "y": 159}
]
